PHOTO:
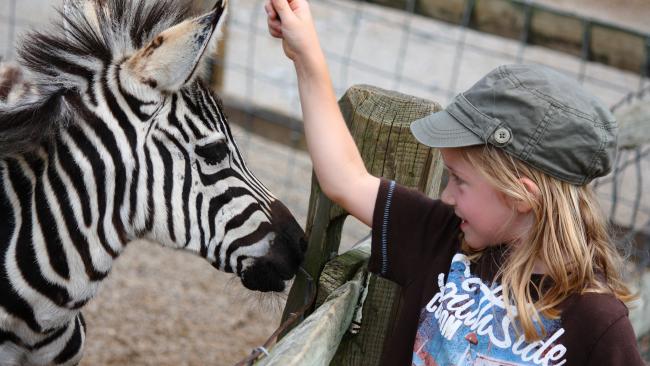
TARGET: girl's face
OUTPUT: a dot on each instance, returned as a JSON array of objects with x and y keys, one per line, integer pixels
[{"x": 488, "y": 217}]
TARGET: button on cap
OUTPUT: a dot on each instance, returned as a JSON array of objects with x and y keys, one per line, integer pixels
[{"x": 501, "y": 135}]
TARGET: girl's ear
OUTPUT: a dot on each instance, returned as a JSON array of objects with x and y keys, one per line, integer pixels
[
  {"x": 169, "y": 61},
  {"x": 524, "y": 206}
]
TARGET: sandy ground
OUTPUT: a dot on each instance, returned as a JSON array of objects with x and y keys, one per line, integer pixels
[{"x": 162, "y": 307}]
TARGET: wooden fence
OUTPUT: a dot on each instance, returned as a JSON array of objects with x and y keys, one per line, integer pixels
[{"x": 379, "y": 121}]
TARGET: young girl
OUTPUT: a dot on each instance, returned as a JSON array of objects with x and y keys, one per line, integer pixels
[{"x": 513, "y": 266}]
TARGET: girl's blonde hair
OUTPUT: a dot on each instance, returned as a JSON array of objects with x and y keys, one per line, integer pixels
[{"x": 569, "y": 235}]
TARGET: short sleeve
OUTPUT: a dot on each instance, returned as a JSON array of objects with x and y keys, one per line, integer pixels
[
  {"x": 617, "y": 346},
  {"x": 408, "y": 228}
]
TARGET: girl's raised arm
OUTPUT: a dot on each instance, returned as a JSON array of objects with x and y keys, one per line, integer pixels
[{"x": 336, "y": 159}]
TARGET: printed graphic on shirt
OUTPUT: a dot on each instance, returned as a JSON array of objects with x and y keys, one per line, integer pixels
[{"x": 466, "y": 323}]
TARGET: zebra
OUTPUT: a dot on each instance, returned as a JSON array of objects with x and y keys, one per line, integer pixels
[
  {"x": 117, "y": 140},
  {"x": 13, "y": 84}
]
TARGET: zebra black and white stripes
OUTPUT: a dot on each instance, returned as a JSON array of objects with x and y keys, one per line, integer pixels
[{"x": 118, "y": 139}]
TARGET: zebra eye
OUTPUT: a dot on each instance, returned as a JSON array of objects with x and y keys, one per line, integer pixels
[{"x": 213, "y": 152}]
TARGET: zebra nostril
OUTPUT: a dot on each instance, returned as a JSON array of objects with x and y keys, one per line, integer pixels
[{"x": 263, "y": 276}]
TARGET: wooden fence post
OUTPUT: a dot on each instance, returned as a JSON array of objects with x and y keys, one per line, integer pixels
[{"x": 379, "y": 122}]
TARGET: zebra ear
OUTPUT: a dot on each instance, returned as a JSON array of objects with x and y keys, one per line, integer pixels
[{"x": 170, "y": 60}]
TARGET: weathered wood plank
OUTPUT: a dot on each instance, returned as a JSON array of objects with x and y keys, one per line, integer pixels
[
  {"x": 341, "y": 269},
  {"x": 378, "y": 317},
  {"x": 316, "y": 339}
]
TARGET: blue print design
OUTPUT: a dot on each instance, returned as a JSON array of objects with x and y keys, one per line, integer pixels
[{"x": 466, "y": 323}]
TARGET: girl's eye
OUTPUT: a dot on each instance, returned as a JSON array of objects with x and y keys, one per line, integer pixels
[{"x": 455, "y": 178}]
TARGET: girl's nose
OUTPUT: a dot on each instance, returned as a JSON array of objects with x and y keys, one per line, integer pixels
[{"x": 447, "y": 197}]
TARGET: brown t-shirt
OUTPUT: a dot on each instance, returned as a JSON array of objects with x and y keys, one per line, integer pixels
[{"x": 452, "y": 305}]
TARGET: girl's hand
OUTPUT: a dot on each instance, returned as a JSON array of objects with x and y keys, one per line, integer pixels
[{"x": 291, "y": 21}]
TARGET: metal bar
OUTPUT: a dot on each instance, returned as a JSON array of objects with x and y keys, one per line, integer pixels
[
  {"x": 646, "y": 67},
  {"x": 528, "y": 16},
  {"x": 639, "y": 188},
  {"x": 585, "y": 53},
  {"x": 467, "y": 17},
  {"x": 467, "y": 14},
  {"x": 614, "y": 196},
  {"x": 525, "y": 34},
  {"x": 349, "y": 47},
  {"x": 403, "y": 48}
]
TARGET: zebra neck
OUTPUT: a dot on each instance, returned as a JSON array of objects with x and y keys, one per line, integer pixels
[{"x": 59, "y": 229}]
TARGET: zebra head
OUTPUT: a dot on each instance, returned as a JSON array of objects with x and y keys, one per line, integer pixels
[{"x": 126, "y": 78}]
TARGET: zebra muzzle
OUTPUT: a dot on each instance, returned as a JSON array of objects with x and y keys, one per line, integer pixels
[{"x": 263, "y": 276}]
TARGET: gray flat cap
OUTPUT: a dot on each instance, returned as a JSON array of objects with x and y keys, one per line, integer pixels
[{"x": 535, "y": 114}]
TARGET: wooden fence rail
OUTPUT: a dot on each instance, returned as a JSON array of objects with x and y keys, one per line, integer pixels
[{"x": 316, "y": 340}]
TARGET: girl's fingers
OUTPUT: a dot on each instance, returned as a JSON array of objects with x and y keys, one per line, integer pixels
[
  {"x": 275, "y": 27},
  {"x": 270, "y": 11},
  {"x": 275, "y": 31},
  {"x": 282, "y": 9},
  {"x": 273, "y": 21}
]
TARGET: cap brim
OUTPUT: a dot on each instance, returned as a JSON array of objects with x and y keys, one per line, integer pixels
[{"x": 441, "y": 129}]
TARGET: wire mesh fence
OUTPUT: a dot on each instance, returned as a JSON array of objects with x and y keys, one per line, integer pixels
[
  {"x": 624, "y": 192},
  {"x": 394, "y": 49},
  {"x": 399, "y": 50}
]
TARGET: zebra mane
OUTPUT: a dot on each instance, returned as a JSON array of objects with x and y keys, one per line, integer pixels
[
  {"x": 89, "y": 34},
  {"x": 98, "y": 30}
]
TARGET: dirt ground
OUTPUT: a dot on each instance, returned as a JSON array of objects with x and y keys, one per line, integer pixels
[{"x": 164, "y": 307}]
